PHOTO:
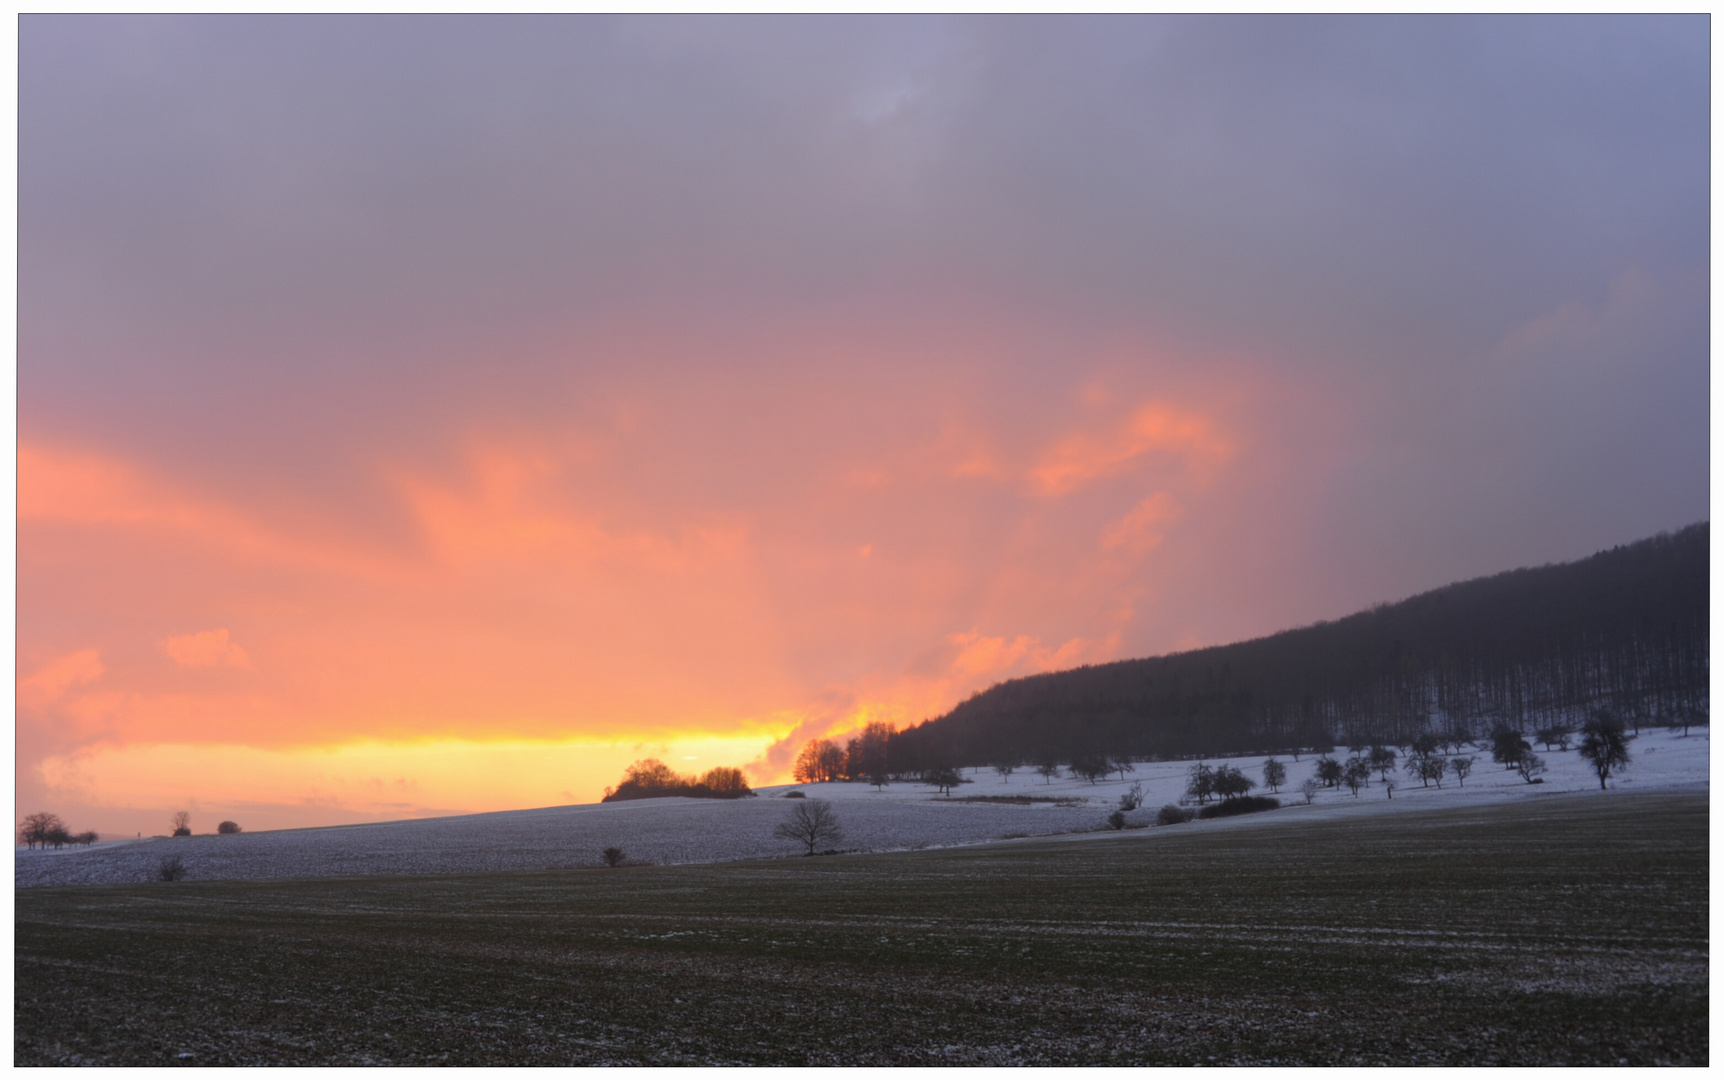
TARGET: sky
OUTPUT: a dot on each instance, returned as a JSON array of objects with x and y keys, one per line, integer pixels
[{"x": 434, "y": 415}]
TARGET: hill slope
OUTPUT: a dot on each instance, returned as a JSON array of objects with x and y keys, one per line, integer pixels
[{"x": 1626, "y": 629}]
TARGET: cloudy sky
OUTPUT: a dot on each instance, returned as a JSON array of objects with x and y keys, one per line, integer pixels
[{"x": 434, "y": 415}]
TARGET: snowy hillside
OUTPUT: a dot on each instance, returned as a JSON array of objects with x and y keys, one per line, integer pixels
[{"x": 903, "y": 815}]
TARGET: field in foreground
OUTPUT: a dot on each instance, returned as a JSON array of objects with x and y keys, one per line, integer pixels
[{"x": 1568, "y": 930}]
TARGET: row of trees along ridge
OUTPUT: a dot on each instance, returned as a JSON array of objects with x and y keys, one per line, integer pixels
[{"x": 1625, "y": 630}]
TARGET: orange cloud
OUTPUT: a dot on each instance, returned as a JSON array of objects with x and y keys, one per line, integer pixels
[
  {"x": 1141, "y": 531},
  {"x": 59, "y": 676},
  {"x": 1155, "y": 427},
  {"x": 209, "y": 648}
]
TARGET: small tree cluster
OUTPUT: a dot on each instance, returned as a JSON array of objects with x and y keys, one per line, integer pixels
[
  {"x": 652, "y": 778},
  {"x": 47, "y": 830}
]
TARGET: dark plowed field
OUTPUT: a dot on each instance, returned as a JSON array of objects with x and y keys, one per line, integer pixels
[{"x": 1561, "y": 931}]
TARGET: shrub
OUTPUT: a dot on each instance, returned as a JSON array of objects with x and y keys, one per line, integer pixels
[
  {"x": 228, "y": 828},
  {"x": 1172, "y": 815},
  {"x": 170, "y": 869},
  {"x": 794, "y": 795},
  {"x": 613, "y": 856},
  {"x": 1116, "y": 820},
  {"x": 1245, "y": 804}
]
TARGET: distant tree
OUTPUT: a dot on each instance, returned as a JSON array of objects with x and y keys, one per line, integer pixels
[
  {"x": 1230, "y": 783},
  {"x": 1329, "y": 771},
  {"x": 1132, "y": 799},
  {"x": 944, "y": 777},
  {"x": 1006, "y": 769},
  {"x": 228, "y": 828},
  {"x": 878, "y": 778},
  {"x": 37, "y": 828},
  {"x": 1309, "y": 789},
  {"x": 810, "y": 823},
  {"x": 1274, "y": 775},
  {"x": 1382, "y": 760},
  {"x": 723, "y": 781},
  {"x": 868, "y": 751},
  {"x": 1048, "y": 770},
  {"x": 1461, "y": 766},
  {"x": 809, "y": 767},
  {"x": 1389, "y": 786},
  {"x": 835, "y": 761},
  {"x": 1200, "y": 783},
  {"x": 1529, "y": 765},
  {"x": 1507, "y": 746},
  {"x": 182, "y": 823},
  {"x": 1426, "y": 769},
  {"x": 1426, "y": 745},
  {"x": 1356, "y": 774},
  {"x": 613, "y": 856},
  {"x": 58, "y": 838},
  {"x": 1555, "y": 735},
  {"x": 1089, "y": 768},
  {"x": 1120, "y": 763},
  {"x": 1604, "y": 745},
  {"x": 86, "y": 838},
  {"x": 171, "y": 868}
]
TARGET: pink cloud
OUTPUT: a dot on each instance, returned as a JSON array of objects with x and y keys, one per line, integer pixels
[{"x": 208, "y": 648}]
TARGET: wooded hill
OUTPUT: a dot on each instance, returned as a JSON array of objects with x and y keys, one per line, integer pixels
[{"x": 1626, "y": 629}]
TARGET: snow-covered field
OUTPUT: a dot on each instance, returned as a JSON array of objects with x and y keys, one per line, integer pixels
[{"x": 902, "y": 816}]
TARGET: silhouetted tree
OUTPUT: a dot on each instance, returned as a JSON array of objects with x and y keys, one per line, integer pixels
[
  {"x": 613, "y": 856},
  {"x": 1461, "y": 766},
  {"x": 1529, "y": 765},
  {"x": 228, "y": 828},
  {"x": 37, "y": 828},
  {"x": 944, "y": 777},
  {"x": 1121, "y": 764},
  {"x": 1382, "y": 759},
  {"x": 1507, "y": 747},
  {"x": 1604, "y": 745},
  {"x": 810, "y": 823},
  {"x": 1556, "y": 735},
  {"x": 1230, "y": 783},
  {"x": 1200, "y": 783},
  {"x": 1309, "y": 789},
  {"x": 1089, "y": 768},
  {"x": 1048, "y": 770},
  {"x": 1132, "y": 799},
  {"x": 1329, "y": 771},
  {"x": 182, "y": 823},
  {"x": 1005, "y": 769},
  {"x": 1274, "y": 775},
  {"x": 1356, "y": 774}
]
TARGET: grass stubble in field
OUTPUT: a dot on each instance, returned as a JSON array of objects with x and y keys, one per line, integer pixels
[{"x": 1566, "y": 930}]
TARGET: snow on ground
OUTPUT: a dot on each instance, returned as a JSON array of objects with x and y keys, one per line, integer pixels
[{"x": 902, "y": 816}]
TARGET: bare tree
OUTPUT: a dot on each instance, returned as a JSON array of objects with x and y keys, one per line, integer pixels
[
  {"x": 1047, "y": 770},
  {"x": 1274, "y": 775},
  {"x": 1461, "y": 766},
  {"x": 182, "y": 823},
  {"x": 613, "y": 856},
  {"x": 1005, "y": 769},
  {"x": 810, "y": 823},
  {"x": 1604, "y": 745},
  {"x": 40, "y": 828},
  {"x": 1529, "y": 765},
  {"x": 1309, "y": 789}
]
